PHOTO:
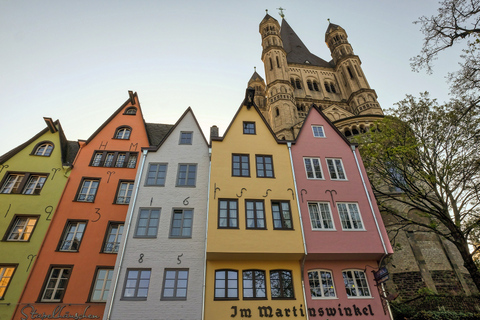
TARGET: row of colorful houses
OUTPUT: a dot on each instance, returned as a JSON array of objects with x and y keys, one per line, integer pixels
[{"x": 152, "y": 221}]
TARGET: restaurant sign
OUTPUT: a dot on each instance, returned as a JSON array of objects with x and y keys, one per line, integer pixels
[{"x": 58, "y": 312}]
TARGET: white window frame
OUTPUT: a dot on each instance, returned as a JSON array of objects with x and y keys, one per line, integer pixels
[
  {"x": 22, "y": 227},
  {"x": 57, "y": 283},
  {"x": 121, "y": 133},
  {"x": 77, "y": 236},
  {"x": 348, "y": 217},
  {"x": 104, "y": 288},
  {"x": 313, "y": 172},
  {"x": 113, "y": 238},
  {"x": 335, "y": 163},
  {"x": 124, "y": 195},
  {"x": 353, "y": 282},
  {"x": 316, "y": 131},
  {"x": 34, "y": 184},
  {"x": 318, "y": 292},
  {"x": 322, "y": 217},
  {"x": 88, "y": 194},
  {"x": 44, "y": 150}
]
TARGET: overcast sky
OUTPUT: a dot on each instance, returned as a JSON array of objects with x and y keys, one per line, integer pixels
[{"x": 76, "y": 60}]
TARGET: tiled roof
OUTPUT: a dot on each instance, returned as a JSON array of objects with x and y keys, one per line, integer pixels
[{"x": 156, "y": 132}]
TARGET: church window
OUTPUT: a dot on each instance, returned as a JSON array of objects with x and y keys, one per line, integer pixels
[
  {"x": 347, "y": 133},
  {"x": 297, "y": 84},
  {"x": 350, "y": 72},
  {"x": 271, "y": 63},
  {"x": 292, "y": 82},
  {"x": 315, "y": 86},
  {"x": 309, "y": 84},
  {"x": 277, "y": 112},
  {"x": 332, "y": 87},
  {"x": 278, "y": 62},
  {"x": 327, "y": 87},
  {"x": 355, "y": 131}
]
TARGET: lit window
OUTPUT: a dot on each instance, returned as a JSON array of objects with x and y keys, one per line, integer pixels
[
  {"x": 318, "y": 132},
  {"x": 335, "y": 168},
  {"x": 320, "y": 216},
  {"x": 25, "y": 183},
  {"x": 45, "y": 150},
  {"x": 350, "y": 216},
  {"x": 124, "y": 193},
  {"x": 255, "y": 214},
  {"x": 228, "y": 213},
  {"x": 123, "y": 133},
  {"x": 6, "y": 274},
  {"x": 156, "y": 174},
  {"x": 313, "y": 168},
  {"x": 101, "y": 288},
  {"x": 356, "y": 283},
  {"x": 226, "y": 284},
  {"x": 240, "y": 165},
  {"x": 264, "y": 166},
  {"x": 56, "y": 284},
  {"x": 281, "y": 284},
  {"x": 187, "y": 174},
  {"x": 147, "y": 225},
  {"x": 88, "y": 190},
  {"x": 137, "y": 282},
  {"x": 321, "y": 284},
  {"x": 22, "y": 228},
  {"x": 175, "y": 283},
  {"x": 185, "y": 137},
  {"x": 181, "y": 223},
  {"x": 254, "y": 284},
  {"x": 72, "y": 236},
  {"x": 248, "y": 127},
  {"x": 282, "y": 217},
  {"x": 113, "y": 238}
]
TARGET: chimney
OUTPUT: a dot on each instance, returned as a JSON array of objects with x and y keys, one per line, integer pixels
[{"x": 213, "y": 132}]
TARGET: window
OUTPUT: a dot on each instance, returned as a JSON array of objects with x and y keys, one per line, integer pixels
[
  {"x": 226, "y": 284},
  {"x": 147, "y": 224},
  {"x": 186, "y": 137},
  {"x": 335, "y": 168},
  {"x": 255, "y": 214},
  {"x": 297, "y": 84},
  {"x": 356, "y": 283},
  {"x": 44, "y": 149},
  {"x": 321, "y": 284},
  {"x": 181, "y": 223},
  {"x": 313, "y": 168},
  {"x": 281, "y": 284},
  {"x": 24, "y": 183},
  {"x": 131, "y": 111},
  {"x": 156, "y": 175},
  {"x": 254, "y": 284},
  {"x": 6, "y": 274},
  {"x": 309, "y": 85},
  {"x": 318, "y": 132},
  {"x": 228, "y": 213},
  {"x": 114, "y": 159},
  {"x": 248, "y": 127},
  {"x": 72, "y": 236},
  {"x": 315, "y": 86},
  {"x": 350, "y": 72},
  {"x": 350, "y": 216},
  {"x": 123, "y": 133},
  {"x": 327, "y": 87},
  {"x": 56, "y": 284},
  {"x": 88, "y": 190},
  {"x": 136, "y": 284},
  {"x": 22, "y": 228},
  {"x": 320, "y": 216},
  {"x": 282, "y": 218},
  {"x": 240, "y": 165},
  {"x": 101, "y": 286},
  {"x": 124, "y": 192},
  {"x": 113, "y": 238},
  {"x": 175, "y": 283},
  {"x": 264, "y": 166},
  {"x": 187, "y": 175}
]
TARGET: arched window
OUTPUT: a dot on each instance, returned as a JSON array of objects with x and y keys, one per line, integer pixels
[
  {"x": 131, "y": 111},
  {"x": 327, "y": 87},
  {"x": 332, "y": 87},
  {"x": 278, "y": 62},
  {"x": 271, "y": 63},
  {"x": 297, "y": 84},
  {"x": 123, "y": 133},
  {"x": 350, "y": 72},
  {"x": 309, "y": 84},
  {"x": 315, "y": 86},
  {"x": 277, "y": 112},
  {"x": 43, "y": 149},
  {"x": 292, "y": 82},
  {"x": 355, "y": 131},
  {"x": 347, "y": 133}
]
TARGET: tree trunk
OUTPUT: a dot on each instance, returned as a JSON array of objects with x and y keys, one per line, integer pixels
[{"x": 468, "y": 262}]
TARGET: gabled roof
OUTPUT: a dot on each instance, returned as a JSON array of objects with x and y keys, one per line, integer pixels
[
  {"x": 156, "y": 132},
  {"x": 249, "y": 102},
  {"x": 296, "y": 51},
  {"x": 68, "y": 149},
  {"x": 171, "y": 128},
  {"x": 315, "y": 108}
]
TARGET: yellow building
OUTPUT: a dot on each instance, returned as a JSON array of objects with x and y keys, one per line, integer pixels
[{"x": 255, "y": 242}]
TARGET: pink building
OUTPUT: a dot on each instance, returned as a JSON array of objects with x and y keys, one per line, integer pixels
[{"x": 344, "y": 233}]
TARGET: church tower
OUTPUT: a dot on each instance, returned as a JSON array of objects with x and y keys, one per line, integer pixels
[{"x": 296, "y": 79}]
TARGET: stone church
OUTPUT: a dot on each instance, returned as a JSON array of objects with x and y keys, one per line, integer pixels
[{"x": 296, "y": 79}]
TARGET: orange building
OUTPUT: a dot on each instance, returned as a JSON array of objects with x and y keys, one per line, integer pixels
[{"x": 72, "y": 275}]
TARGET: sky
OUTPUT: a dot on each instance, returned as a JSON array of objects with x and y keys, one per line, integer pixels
[{"x": 76, "y": 60}]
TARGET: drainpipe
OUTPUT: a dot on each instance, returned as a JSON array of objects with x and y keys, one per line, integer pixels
[
  {"x": 302, "y": 268},
  {"x": 206, "y": 234},
  {"x": 127, "y": 231}
]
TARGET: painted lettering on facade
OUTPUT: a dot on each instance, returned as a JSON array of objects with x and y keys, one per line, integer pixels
[
  {"x": 59, "y": 312},
  {"x": 269, "y": 312}
]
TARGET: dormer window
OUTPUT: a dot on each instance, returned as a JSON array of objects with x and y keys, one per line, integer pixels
[
  {"x": 43, "y": 149},
  {"x": 123, "y": 133},
  {"x": 131, "y": 111}
]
